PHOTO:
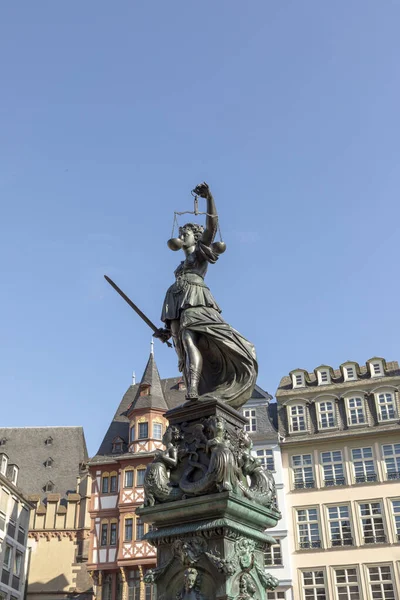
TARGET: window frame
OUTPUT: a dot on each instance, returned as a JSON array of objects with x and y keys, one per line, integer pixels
[
  {"x": 143, "y": 424},
  {"x": 264, "y": 459},
  {"x": 368, "y": 579},
  {"x": 325, "y": 401},
  {"x": 113, "y": 539},
  {"x": 274, "y": 549},
  {"x": 396, "y": 460},
  {"x": 358, "y": 423},
  {"x": 395, "y": 518},
  {"x": 131, "y": 472},
  {"x": 298, "y": 416},
  {"x": 251, "y": 426},
  {"x": 342, "y": 530},
  {"x": 314, "y": 586},
  {"x": 130, "y": 518},
  {"x": 8, "y": 551},
  {"x": 139, "y": 526},
  {"x": 379, "y": 406},
  {"x": 373, "y": 518},
  {"x": 104, "y": 533},
  {"x": 303, "y": 484},
  {"x": 346, "y": 584},
  {"x": 310, "y": 544},
  {"x": 365, "y": 477},
  {"x": 105, "y": 483},
  {"x": 160, "y": 436},
  {"x": 141, "y": 470},
  {"x": 336, "y": 481},
  {"x": 18, "y": 561},
  {"x": 113, "y": 479}
]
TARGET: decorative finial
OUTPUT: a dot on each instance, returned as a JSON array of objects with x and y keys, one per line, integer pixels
[
  {"x": 133, "y": 378},
  {"x": 152, "y": 347}
]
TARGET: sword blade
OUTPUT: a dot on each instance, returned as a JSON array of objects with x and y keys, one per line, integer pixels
[{"x": 135, "y": 308}]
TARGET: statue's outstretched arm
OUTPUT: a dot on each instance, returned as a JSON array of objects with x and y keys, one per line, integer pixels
[{"x": 203, "y": 191}]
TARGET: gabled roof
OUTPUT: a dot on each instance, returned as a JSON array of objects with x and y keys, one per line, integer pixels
[{"x": 25, "y": 446}]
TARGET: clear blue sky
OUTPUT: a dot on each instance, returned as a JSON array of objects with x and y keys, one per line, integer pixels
[{"x": 112, "y": 112}]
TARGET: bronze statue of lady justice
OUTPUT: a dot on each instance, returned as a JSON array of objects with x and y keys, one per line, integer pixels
[{"x": 216, "y": 361}]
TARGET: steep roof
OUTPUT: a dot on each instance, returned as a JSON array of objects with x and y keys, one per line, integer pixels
[
  {"x": 26, "y": 447},
  {"x": 151, "y": 377}
]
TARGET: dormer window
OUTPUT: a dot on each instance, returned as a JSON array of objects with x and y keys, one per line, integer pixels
[
  {"x": 350, "y": 373},
  {"x": 324, "y": 376},
  {"x": 144, "y": 390},
  {"x": 48, "y": 441},
  {"x": 13, "y": 475},
  {"x": 3, "y": 464},
  {"x": 297, "y": 418},
  {"x": 298, "y": 379},
  {"x": 376, "y": 369},
  {"x": 48, "y": 462},
  {"x": 49, "y": 487},
  {"x": 117, "y": 447}
]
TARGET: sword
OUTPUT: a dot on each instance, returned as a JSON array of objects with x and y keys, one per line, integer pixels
[{"x": 135, "y": 308}]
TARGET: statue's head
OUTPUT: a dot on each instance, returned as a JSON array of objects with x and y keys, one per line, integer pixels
[
  {"x": 171, "y": 435},
  {"x": 190, "y": 234},
  {"x": 189, "y": 578}
]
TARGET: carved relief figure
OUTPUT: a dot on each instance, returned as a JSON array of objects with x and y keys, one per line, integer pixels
[
  {"x": 191, "y": 586},
  {"x": 247, "y": 587},
  {"x": 157, "y": 485},
  {"x": 215, "y": 359},
  {"x": 222, "y": 470},
  {"x": 262, "y": 484}
]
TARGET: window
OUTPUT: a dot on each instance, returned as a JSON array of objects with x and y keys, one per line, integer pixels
[
  {"x": 104, "y": 534},
  {"x": 149, "y": 591},
  {"x": 276, "y": 595},
  {"x": 355, "y": 411},
  {"x": 132, "y": 434},
  {"x": 346, "y": 582},
  {"x": 48, "y": 462},
  {"x": 49, "y": 487},
  {"x": 3, "y": 464},
  {"x": 298, "y": 380},
  {"x": 17, "y": 563},
  {"x": 113, "y": 483},
  {"x": 2, "y": 521},
  {"x": 157, "y": 431},
  {"x": 386, "y": 407},
  {"x": 266, "y": 456},
  {"x": 380, "y": 581},
  {"x": 113, "y": 534},
  {"x": 143, "y": 431},
  {"x": 350, "y": 373},
  {"x": 372, "y": 522},
  {"x": 129, "y": 478},
  {"x": 314, "y": 585},
  {"x": 303, "y": 473},
  {"x": 391, "y": 456},
  {"x": 332, "y": 466},
  {"x": 128, "y": 529},
  {"x": 364, "y": 465},
  {"x": 140, "y": 473},
  {"x": 7, "y": 557},
  {"x": 396, "y": 517},
  {"x": 297, "y": 418},
  {"x": 21, "y": 535},
  {"x": 48, "y": 441},
  {"x": 139, "y": 529},
  {"x": 326, "y": 413},
  {"x": 323, "y": 377},
  {"x": 376, "y": 369},
  {"x": 117, "y": 446},
  {"x": 107, "y": 587},
  {"x": 308, "y": 528},
  {"x": 104, "y": 484},
  {"x": 134, "y": 585},
  {"x": 250, "y": 414},
  {"x": 273, "y": 555},
  {"x": 339, "y": 525}
]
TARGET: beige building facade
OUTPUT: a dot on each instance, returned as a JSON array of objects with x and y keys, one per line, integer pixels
[{"x": 340, "y": 442}]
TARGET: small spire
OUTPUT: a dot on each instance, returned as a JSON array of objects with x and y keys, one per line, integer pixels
[
  {"x": 152, "y": 347},
  {"x": 133, "y": 378}
]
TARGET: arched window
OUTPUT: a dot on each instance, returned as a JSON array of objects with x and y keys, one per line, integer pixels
[{"x": 297, "y": 418}]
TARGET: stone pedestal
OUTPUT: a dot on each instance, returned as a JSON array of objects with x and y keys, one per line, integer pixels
[{"x": 210, "y": 535}]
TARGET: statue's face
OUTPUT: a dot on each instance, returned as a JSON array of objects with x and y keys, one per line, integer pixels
[
  {"x": 190, "y": 580},
  {"x": 187, "y": 237}
]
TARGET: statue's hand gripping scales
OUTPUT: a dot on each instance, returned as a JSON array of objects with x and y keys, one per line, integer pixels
[{"x": 216, "y": 361}]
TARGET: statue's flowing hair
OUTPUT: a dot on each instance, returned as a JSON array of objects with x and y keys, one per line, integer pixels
[{"x": 197, "y": 230}]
